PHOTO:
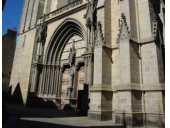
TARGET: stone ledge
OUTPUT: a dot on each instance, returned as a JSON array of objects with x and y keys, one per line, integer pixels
[
  {"x": 137, "y": 87},
  {"x": 139, "y": 112},
  {"x": 101, "y": 88},
  {"x": 95, "y": 110},
  {"x": 100, "y": 115}
]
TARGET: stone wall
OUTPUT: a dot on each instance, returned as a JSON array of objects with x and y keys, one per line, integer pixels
[
  {"x": 29, "y": 15},
  {"x": 53, "y": 26},
  {"x": 8, "y": 49},
  {"x": 115, "y": 21},
  {"x": 128, "y": 74},
  {"x": 22, "y": 61}
]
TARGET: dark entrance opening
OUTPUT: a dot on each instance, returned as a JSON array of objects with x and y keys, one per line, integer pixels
[{"x": 79, "y": 100}]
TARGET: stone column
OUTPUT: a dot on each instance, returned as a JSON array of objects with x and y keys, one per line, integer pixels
[
  {"x": 54, "y": 92},
  {"x": 43, "y": 80},
  {"x": 141, "y": 68},
  {"x": 88, "y": 76},
  {"x": 32, "y": 79},
  {"x": 57, "y": 85},
  {"x": 47, "y": 80},
  {"x": 35, "y": 79},
  {"x": 57, "y": 71},
  {"x": 59, "y": 77},
  {"x": 52, "y": 80},
  {"x": 76, "y": 79},
  {"x": 129, "y": 101},
  {"x": 90, "y": 70},
  {"x": 101, "y": 91},
  {"x": 153, "y": 84}
]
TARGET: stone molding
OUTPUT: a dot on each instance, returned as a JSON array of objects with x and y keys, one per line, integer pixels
[
  {"x": 137, "y": 112},
  {"x": 137, "y": 87},
  {"x": 64, "y": 67},
  {"x": 100, "y": 40},
  {"x": 57, "y": 31},
  {"x": 64, "y": 10},
  {"x": 122, "y": 35}
]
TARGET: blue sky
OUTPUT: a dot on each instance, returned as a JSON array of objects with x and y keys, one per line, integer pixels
[{"x": 11, "y": 14}]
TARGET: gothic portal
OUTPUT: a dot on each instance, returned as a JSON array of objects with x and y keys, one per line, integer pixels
[{"x": 104, "y": 58}]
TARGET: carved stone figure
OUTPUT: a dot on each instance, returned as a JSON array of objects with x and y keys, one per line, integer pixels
[
  {"x": 71, "y": 73},
  {"x": 42, "y": 32},
  {"x": 72, "y": 54},
  {"x": 91, "y": 21},
  {"x": 40, "y": 40}
]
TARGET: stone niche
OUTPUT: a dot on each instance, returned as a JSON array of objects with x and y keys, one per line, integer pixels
[{"x": 79, "y": 46}]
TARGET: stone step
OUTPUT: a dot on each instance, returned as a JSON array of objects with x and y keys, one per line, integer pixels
[{"x": 79, "y": 122}]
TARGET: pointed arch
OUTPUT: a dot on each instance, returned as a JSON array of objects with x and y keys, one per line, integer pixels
[{"x": 61, "y": 35}]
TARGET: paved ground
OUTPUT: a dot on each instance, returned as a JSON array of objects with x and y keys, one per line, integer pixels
[{"x": 53, "y": 118}]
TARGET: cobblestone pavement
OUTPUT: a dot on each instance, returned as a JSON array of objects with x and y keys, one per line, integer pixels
[{"x": 53, "y": 118}]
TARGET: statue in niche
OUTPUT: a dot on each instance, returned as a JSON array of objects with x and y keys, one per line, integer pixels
[
  {"x": 41, "y": 37},
  {"x": 72, "y": 54},
  {"x": 71, "y": 75},
  {"x": 91, "y": 21},
  {"x": 71, "y": 59}
]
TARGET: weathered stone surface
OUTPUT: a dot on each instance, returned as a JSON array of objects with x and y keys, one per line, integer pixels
[
  {"x": 8, "y": 50},
  {"x": 117, "y": 44}
]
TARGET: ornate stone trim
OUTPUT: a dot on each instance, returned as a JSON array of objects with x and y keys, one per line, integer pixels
[
  {"x": 88, "y": 59},
  {"x": 91, "y": 22},
  {"x": 99, "y": 36},
  {"x": 62, "y": 10},
  {"x": 155, "y": 27},
  {"x": 58, "y": 29},
  {"x": 124, "y": 31},
  {"x": 137, "y": 87}
]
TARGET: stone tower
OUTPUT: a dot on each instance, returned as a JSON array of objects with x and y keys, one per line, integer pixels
[{"x": 102, "y": 57}]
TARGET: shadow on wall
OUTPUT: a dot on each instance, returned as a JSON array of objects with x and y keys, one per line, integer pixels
[
  {"x": 16, "y": 97},
  {"x": 34, "y": 101}
]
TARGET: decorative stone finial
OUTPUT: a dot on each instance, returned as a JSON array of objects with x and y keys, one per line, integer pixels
[{"x": 124, "y": 31}]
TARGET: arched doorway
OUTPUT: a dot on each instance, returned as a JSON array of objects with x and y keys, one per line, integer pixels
[
  {"x": 76, "y": 63},
  {"x": 62, "y": 56}
]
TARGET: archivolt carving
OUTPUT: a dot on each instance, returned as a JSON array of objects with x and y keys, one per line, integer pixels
[
  {"x": 79, "y": 47},
  {"x": 59, "y": 39}
]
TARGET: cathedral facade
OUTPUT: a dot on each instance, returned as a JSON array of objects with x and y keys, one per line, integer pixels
[{"x": 104, "y": 58}]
